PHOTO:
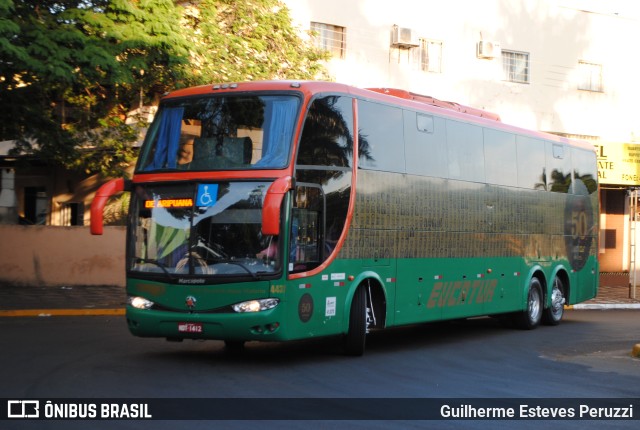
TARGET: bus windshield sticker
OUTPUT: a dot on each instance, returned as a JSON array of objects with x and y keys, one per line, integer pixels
[{"x": 207, "y": 195}]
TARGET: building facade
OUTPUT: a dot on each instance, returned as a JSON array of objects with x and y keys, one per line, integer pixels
[{"x": 559, "y": 66}]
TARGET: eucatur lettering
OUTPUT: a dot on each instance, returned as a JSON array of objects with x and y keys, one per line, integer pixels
[{"x": 461, "y": 292}]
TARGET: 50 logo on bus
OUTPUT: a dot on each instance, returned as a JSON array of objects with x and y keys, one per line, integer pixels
[{"x": 578, "y": 226}]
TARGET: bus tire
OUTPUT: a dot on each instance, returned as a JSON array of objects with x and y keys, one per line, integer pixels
[
  {"x": 553, "y": 314},
  {"x": 530, "y": 318},
  {"x": 354, "y": 340}
]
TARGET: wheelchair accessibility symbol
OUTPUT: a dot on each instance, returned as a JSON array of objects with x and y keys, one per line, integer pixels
[{"x": 207, "y": 195}]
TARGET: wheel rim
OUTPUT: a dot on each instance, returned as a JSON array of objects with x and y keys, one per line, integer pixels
[
  {"x": 534, "y": 304},
  {"x": 557, "y": 301}
]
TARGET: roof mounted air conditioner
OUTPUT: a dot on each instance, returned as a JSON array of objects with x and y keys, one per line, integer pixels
[
  {"x": 402, "y": 37},
  {"x": 487, "y": 49}
]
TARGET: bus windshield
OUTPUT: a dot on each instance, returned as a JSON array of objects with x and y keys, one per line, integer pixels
[
  {"x": 221, "y": 133},
  {"x": 206, "y": 229}
]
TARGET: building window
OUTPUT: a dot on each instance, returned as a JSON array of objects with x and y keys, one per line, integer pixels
[
  {"x": 72, "y": 213},
  {"x": 36, "y": 205},
  {"x": 331, "y": 38},
  {"x": 515, "y": 66},
  {"x": 610, "y": 238},
  {"x": 430, "y": 56},
  {"x": 590, "y": 76}
]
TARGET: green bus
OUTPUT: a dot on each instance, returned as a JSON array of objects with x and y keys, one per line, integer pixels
[{"x": 274, "y": 211}]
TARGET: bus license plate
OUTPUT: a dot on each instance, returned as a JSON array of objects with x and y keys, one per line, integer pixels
[{"x": 190, "y": 327}]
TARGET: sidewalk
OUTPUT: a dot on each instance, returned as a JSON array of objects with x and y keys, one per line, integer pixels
[
  {"x": 65, "y": 300},
  {"x": 110, "y": 300},
  {"x": 614, "y": 293}
]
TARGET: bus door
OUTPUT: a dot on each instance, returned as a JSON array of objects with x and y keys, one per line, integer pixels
[
  {"x": 305, "y": 253},
  {"x": 307, "y": 228},
  {"x": 318, "y": 216}
]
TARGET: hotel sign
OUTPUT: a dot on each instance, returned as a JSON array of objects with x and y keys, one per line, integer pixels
[{"x": 618, "y": 163}]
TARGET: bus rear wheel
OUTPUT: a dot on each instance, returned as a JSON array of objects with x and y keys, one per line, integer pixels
[
  {"x": 530, "y": 318},
  {"x": 553, "y": 314},
  {"x": 354, "y": 340}
]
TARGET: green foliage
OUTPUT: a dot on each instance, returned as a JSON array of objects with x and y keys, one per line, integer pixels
[
  {"x": 71, "y": 70},
  {"x": 115, "y": 152},
  {"x": 116, "y": 209},
  {"x": 249, "y": 40}
]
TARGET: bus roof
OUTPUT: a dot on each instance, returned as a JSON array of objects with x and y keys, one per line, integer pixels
[
  {"x": 436, "y": 102},
  {"x": 389, "y": 95}
]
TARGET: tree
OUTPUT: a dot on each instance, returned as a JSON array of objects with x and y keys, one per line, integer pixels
[
  {"x": 72, "y": 70},
  {"x": 248, "y": 40}
]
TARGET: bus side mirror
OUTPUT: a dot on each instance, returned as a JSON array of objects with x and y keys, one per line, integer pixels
[
  {"x": 107, "y": 190},
  {"x": 272, "y": 205}
]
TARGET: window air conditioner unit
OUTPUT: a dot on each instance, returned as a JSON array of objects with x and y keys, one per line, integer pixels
[
  {"x": 486, "y": 49},
  {"x": 402, "y": 37}
]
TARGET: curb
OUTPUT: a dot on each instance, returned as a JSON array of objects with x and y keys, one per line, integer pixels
[
  {"x": 61, "y": 312},
  {"x": 604, "y": 306}
]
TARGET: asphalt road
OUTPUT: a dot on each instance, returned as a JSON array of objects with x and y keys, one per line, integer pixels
[{"x": 587, "y": 356}]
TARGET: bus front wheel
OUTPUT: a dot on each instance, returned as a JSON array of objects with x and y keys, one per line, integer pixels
[
  {"x": 354, "y": 340},
  {"x": 530, "y": 318}
]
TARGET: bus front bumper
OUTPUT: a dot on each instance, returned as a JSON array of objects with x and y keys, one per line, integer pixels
[{"x": 262, "y": 326}]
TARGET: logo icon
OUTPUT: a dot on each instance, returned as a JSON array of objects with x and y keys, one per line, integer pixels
[
  {"x": 23, "y": 409},
  {"x": 190, "y": 301},
  {"x": 207, "y": 195}
]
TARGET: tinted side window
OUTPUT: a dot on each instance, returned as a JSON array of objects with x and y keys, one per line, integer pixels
[
  {"x": 500, "y": 158},
  {"x": 381, "y": 137},
  {"x": 584, "y": 168},
  {"x": 465, "y": 151},
  {"x": 327, "y": 136},
  {"x": 558, "y": 167},
  {"x": 532, "y": 173},
  {"x": 426, "y": 144}
]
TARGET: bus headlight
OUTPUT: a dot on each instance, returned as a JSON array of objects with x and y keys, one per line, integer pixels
[
  {"x": 140, "y": 302},
  {"x": 255, "y": 305}
]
